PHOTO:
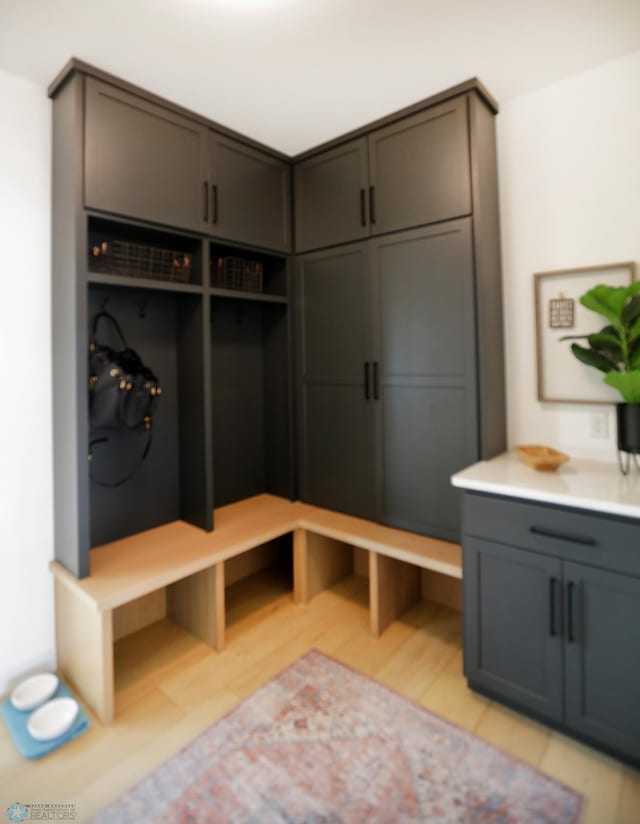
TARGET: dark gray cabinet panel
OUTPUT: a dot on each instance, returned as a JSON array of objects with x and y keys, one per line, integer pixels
[
  {"x": 331, "y": 197},
  {"x": 603, "y": 657},
  {"x": 142, "y": 160},
  {"x": 419, "y": 168},
  {"x": 538, "y": 623},
  {"x": 512, "y": 625},
  {"x": 250, "y": 195},
  {"x": 425, "y": 345},
  {"x": 335, "y": 417},
  {"x": 337, "y": 458}
]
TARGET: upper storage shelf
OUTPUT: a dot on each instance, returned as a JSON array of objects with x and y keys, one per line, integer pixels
[{"x": 125, "y": 254}]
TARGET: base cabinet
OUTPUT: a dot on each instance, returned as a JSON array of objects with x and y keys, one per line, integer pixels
[{"x": 548, "y": 633}]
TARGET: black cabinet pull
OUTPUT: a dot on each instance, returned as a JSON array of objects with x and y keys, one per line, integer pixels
[
  {"x": 363, "y": 207},
  {"x": 572, "y": 539},
  {"x": 367, "y": 384},
  {"x": 570, "y": 634},
  {"x": 205, "y": 201},
  {"x": 372, "y": 204},
  {"x": 552, "y": 607},
  {"x": 376, "y": 381},
  {"x": 214, "y": 203}
]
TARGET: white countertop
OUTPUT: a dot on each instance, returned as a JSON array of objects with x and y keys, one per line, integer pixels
[{"x": 580, "y": 483}]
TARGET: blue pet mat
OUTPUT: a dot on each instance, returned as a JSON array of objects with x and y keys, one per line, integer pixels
[{"x": 16, "y": 721}]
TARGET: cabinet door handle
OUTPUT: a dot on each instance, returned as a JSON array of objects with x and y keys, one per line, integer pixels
[
  {"x": 552, "y": 607},
  {"x": 572, "y": 539},
  {"x": 376, "y": 381},
  {"x": 372, "y": 204},
  {"x": 570, "y": 627},
  {"x": 214, "y": 203},
  {"x": 205, "y": 201},
  {"x": 367, "y": 383},
  {"x": 363, "y": 207}
]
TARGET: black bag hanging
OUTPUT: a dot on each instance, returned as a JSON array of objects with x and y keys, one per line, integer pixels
[{"x": 123, "y": 392}]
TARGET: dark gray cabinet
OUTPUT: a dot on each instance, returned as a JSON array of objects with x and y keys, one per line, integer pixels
[
  {"x": 410, "y": 173},
  {"x": 148, "y": 162},
  {"x": 513, "y": 645},
  {"x": 143, "y": 160},
  {"x": 387, "y": 346},
  {"x": 425, "y": 354},
  {"x": 249, "y": 196},
  {"x": 549, "y": 626},
  {"x": 419, "y": 169},
  {"x": 433, "y": 352},
  {"x": 335, "y": 412},
  {"x": 603, "y": 656},
  {"x": 331, "y": 197}
]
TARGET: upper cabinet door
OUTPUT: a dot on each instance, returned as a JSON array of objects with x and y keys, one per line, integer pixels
[
  {"x": 250, "y": 195},
  {"x": 142, "y": 160},
  {"x": 331, "y": 201},
  {"x": 419, "y": 169}
]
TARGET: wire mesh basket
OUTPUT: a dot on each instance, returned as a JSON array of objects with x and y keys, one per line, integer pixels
[
  {"x": 138, "y": 260},
  {"x": 237, "y": 273}
]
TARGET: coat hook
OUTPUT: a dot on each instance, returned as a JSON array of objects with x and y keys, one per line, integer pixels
[
  {"x": 142, "y": 308},
  {"x": 104, "y": 303}
]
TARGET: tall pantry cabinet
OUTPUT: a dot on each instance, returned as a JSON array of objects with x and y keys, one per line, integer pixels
[{"x": 399, "y": 357}]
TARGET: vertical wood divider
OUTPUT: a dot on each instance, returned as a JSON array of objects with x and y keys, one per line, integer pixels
[
  {"x": 197, "y": 604},
  {"x": 84, "y": 642},
  {"x": 300, "y": 567},
  {"x": 393, "y": 587}
]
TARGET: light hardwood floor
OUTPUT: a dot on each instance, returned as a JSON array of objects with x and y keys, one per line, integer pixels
[{"x": 171, "y": 686}]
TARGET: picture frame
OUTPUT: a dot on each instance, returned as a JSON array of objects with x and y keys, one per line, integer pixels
[{"x": 561, "y": 378}]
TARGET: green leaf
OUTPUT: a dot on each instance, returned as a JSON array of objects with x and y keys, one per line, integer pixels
[
  {"x": 635, "y": 358},
  {"x": 631, "y": 311},
  {"x": 627, "y": 383},
  {"x": 634, "y": 332},
  {"x": 607, "y": 301},
  {"x": 593, "y": 358},
  {"x": 602, "y": 341}
]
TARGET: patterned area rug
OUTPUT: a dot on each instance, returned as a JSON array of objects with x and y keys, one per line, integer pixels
[{"x": 322, "y": 743}]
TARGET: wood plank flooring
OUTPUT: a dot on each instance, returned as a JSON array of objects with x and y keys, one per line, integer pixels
[{"x": 171, "y": 686}]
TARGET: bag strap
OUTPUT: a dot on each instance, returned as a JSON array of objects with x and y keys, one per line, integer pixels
[
  {"x": 108, "y": 316},
  {"x": 129, "y": 475}
]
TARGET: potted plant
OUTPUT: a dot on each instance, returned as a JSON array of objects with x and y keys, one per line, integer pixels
[{"x": 615, "y": 350}]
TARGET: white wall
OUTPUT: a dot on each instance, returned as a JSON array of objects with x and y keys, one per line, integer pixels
[
  {"x": 569, "y": 164},
  {"x": 26, "y": 516}
]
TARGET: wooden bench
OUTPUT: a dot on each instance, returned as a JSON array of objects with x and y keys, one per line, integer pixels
[{"x": 188, "y": 564}]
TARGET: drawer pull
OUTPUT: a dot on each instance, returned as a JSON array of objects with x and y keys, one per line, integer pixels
[
  {"x": 367, "y": 382},
  {"x": 363, "y": 207},
  {"x": 572, "y": 539},
  {"x": 570, "y": 633},
  {"x": 372, "y": 204},
  {"x": 552, "y": 607},
  {"x": 205, "y": 201},
  {"x": 376, "y": 381}
]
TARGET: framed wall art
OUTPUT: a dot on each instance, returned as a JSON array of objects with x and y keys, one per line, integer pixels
[{"x": 561, "y": 377}]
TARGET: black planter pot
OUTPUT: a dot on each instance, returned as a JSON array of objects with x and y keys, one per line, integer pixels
[{"x": 628, "y": 415}]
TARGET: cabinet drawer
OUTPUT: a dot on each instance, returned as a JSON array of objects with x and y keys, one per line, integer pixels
[{"x": 595, "y": 539}]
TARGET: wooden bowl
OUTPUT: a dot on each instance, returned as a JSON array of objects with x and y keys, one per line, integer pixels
[{"x": 543, "y": 458}]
